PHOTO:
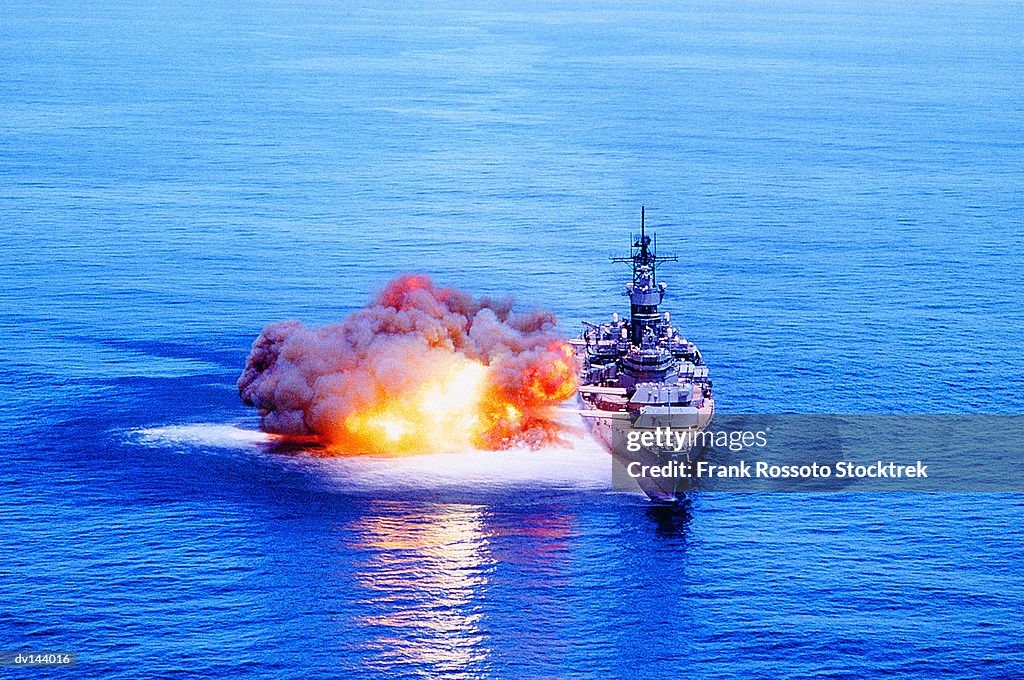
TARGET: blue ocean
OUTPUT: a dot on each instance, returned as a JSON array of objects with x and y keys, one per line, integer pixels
[{"x": 842, "y": 182}]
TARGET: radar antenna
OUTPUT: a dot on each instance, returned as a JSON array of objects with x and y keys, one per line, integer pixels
[{"x": 643, "y": 254}]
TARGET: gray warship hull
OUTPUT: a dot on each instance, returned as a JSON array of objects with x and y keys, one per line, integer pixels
[
  {"x": 641, "y": 374},
  {"x": 611, "y": 431}
]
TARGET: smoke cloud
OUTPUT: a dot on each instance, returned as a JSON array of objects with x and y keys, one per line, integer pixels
[{"x": 420, "y": 369}]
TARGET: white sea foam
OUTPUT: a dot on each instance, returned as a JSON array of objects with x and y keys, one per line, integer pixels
[
  {"x": 579, "y": 463},
  {"x": 214, "y": 435}
]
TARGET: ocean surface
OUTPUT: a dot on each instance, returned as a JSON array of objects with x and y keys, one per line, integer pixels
[{"x": 842, "y": 181}]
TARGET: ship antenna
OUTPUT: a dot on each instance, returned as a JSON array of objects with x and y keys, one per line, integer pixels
[
  {"x": 643, "y": 237},
  {"x": 645, "y": 293},
  {"x": 644, "y": 252}
]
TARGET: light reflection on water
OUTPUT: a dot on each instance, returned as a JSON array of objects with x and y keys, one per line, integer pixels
[
  {"x": 427, "y": 573},
  {"x": 431, "y": 572}
]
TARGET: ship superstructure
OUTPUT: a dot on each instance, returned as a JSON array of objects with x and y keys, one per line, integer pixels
[{"x": 641, "y": 372}]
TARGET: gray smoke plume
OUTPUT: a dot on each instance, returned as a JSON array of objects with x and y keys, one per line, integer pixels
[{"x": 421, "y": 368}]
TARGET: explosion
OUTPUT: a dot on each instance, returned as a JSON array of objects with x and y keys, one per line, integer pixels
[{"x": 422, "y": 369}]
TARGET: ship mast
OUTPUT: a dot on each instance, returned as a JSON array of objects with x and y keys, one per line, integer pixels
[{"x": 644, "y": 292}]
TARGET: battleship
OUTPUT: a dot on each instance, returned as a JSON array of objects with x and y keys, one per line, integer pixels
[{"x": 641, "y": 373}]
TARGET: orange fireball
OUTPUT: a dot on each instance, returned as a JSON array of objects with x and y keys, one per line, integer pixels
[{"x": 422, "y": 369}]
